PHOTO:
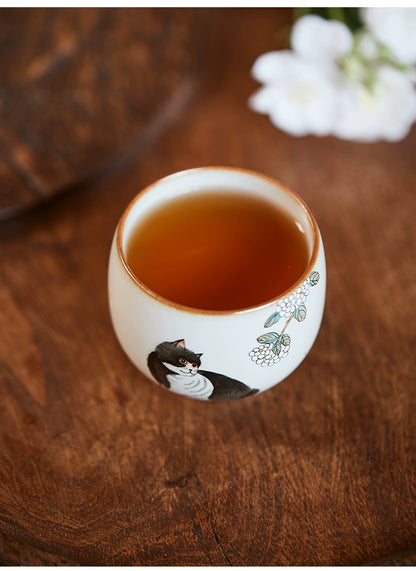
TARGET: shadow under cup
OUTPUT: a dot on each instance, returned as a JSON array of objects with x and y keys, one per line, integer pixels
[{"x": 216, "y": 354}]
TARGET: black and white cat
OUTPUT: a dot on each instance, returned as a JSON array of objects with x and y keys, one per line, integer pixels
[{"x": 177, "y": 368}]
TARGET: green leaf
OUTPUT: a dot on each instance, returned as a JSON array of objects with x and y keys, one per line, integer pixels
[
  {"x": 285, "y": 340},
  {"x": 277, "y": 348},
  {"x": 268, "y": 338},
  {"x": 274, "y": 318},
  {"x": 300, "y": 312},
  {"x": 314, "y": 278}
]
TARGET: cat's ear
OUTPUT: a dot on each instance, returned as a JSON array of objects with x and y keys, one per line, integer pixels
[
  {"x": 199, "y": 354},
  {"x": 180, "y": 342}
]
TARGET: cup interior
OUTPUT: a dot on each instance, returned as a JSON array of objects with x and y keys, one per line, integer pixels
[{"x": 231, "y": 180}]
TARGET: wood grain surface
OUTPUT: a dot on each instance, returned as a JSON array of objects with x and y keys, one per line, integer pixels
[
  {"x": 99, "y": 466},
  {"x": 79, "y": 86}
]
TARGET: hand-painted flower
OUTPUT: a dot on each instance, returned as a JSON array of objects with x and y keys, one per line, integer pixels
[{"x": 264, "y": 355}]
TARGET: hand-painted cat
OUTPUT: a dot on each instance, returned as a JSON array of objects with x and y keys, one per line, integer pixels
[{"x": 177, "y": 368}]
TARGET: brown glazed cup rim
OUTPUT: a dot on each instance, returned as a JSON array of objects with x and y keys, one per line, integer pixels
[{"x": 180, "y": 307}]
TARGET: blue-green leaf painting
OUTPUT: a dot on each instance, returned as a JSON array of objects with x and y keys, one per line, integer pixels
[
  {"x": 268, "y": 338},
  {"x": 274, "y": 318},
  {"x": 275, "y": 346},
  {"x": 314, "y": 278},
  {"x": 300, "y": 312}
]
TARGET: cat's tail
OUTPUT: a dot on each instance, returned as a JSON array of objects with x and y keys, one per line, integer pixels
[{"x": 158, "y": 369}]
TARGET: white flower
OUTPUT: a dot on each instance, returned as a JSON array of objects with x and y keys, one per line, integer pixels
[
  {"x": 299, "y": 96},
  {"x": 272, "y": 67},
  {"x": 394, "y": 27},
  {"x": 334, "y": 83},
  {"x": 287, "y": 305},
  {"x": 321, "y": 41},
  {"x": 387, "y": 112},
  {"x": 302, "y": 103},
  {"x": 264, "y": 355}
]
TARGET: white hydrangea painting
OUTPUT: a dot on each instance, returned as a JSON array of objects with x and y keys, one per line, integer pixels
[{"x": 274, "y": 346}]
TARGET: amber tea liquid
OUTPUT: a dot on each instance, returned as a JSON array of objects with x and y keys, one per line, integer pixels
[{"x": 218, "y": 250}]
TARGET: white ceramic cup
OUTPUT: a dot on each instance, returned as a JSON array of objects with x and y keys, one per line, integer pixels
[{"x": 216, "y": 355}]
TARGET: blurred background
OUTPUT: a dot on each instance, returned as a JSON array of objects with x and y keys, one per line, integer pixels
[{"x": 81, "y": 86}]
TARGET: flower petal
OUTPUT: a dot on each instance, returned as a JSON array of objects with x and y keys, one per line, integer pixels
[
  {"x": 274, "y": 66},
  {"x": 385, "y": 113},
  {"x": 316, "y": 39},
  {"x": 304, "y": 105},
  {"x": 394, "y": 27}
]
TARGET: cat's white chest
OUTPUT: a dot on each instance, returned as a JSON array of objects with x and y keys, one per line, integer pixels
[{"x": 195, "y": 386}]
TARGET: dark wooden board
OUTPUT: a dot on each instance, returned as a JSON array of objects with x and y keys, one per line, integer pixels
[
  {"x": 100, "y": 466},
  {"x": 80, "y": 86}
]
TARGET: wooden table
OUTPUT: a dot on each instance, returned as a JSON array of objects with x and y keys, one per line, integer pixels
[{"x": 100, "y": 466}]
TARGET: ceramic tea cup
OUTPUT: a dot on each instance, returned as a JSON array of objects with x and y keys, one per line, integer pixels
[{"x": 212, "y": 354}]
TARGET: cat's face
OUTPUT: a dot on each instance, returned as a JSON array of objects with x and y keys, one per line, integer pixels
[
  {"x": 184, "y": 367},
  {"x": 178, "y": 359}
]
